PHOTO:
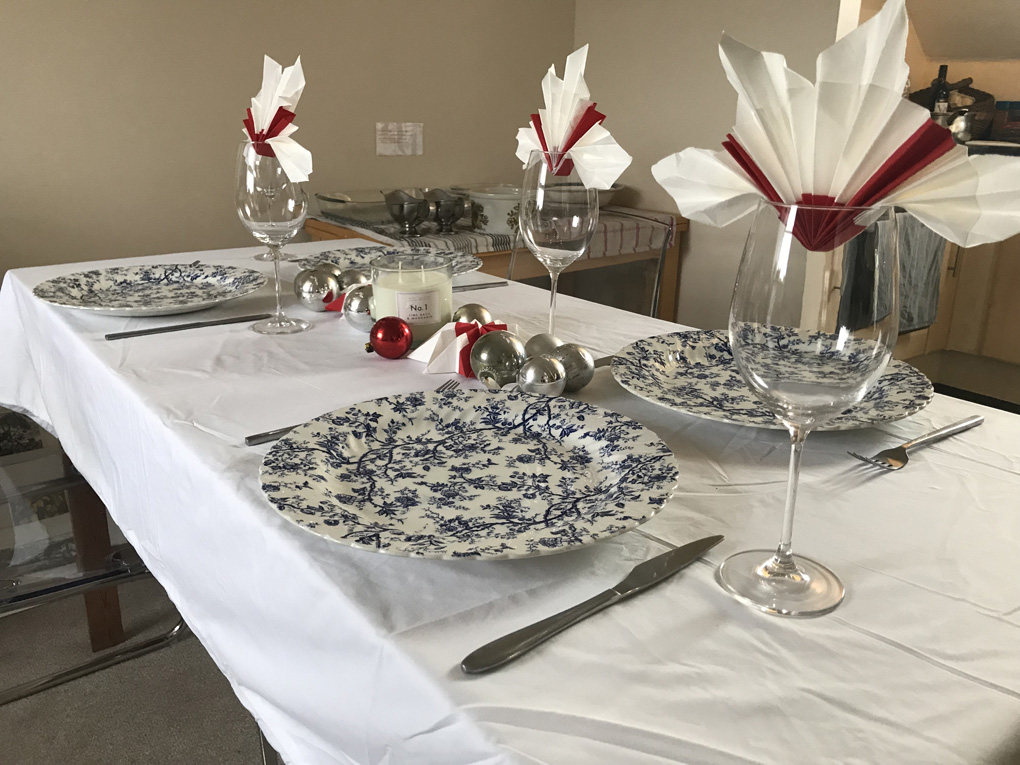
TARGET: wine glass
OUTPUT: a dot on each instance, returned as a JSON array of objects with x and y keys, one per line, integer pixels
[
  {"x": 273, "y": 209},
  {"x": 813, "y": 321},
  {"x": 558, "y": 215}
]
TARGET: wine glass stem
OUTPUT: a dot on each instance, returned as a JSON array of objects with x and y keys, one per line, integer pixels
[
  {"x": 782, "y": 562},
  {"x": 553, "y": 278},
  {"x": 275, "y": 250}
]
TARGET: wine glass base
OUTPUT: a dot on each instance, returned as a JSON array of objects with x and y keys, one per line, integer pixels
[
  {"x": 278, "y": 326},
  {"x": 267, "y": 257},
  {"x": 814, "y": 590}
]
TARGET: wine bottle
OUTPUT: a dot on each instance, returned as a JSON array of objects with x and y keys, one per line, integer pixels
[{"x": 941, "y": 104}]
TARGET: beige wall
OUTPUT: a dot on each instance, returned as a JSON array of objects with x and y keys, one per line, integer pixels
[
  {"x": 120, "y": 120},
  {"x": 654, "y": 68}
]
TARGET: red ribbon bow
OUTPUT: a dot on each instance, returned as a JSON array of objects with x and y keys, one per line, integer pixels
[
  {"x": 588, "y": 119},
  {"x": 473, "y": 332},
  {"x": 281, "y": 119}
]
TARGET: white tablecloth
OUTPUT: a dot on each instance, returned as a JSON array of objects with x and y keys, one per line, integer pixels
[{"x": 346, "y": 656}]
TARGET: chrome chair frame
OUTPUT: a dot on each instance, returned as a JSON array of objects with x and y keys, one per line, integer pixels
[{"x": 121, "y": 572}]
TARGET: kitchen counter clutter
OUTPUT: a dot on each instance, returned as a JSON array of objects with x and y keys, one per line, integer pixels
[{"x": 624, "y": 235}]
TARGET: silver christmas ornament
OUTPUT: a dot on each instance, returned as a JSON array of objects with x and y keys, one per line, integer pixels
[
  {"x": 472, "y": 312},
  {"x": 316, "y": 289},
  {"x": 357, "y": 307},
  {"x": 542, "y": 374},
  {"x": 578, "y": 362},
  {"x": 543, "y": 343},
  {"x": 352, "y": 276},
  {"x": 332, "y": 268},
  {"x": 496, "y": 358}
]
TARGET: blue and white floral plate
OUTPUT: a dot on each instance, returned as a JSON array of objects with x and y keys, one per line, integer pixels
[
  {"x": 361, "y": 257},
  {"x": 155, "y": 290},
  {"x": 469, "y": 474},
  {"x": 694, "y": 373}
]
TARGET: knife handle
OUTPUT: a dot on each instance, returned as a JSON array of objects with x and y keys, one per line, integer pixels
[
  {"x": 949, "y": 430},
  {"x": 269, "y": 435},
  {"x": 509, "y": 647}
]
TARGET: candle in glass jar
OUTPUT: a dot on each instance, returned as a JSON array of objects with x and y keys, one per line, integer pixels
[{"x": 417, "y": 287}]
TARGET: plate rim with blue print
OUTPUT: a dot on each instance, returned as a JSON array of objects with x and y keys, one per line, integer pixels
[
  {"x": 633, "y": 375},
  {"x": 463, "y": 262},
  {"x": 242, "y": 281},
  {"x": 293, "y": 481}
]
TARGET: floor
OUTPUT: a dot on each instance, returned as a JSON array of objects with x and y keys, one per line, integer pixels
[{"x": 172, "y": 707}]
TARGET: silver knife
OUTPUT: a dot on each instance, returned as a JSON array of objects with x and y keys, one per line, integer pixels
[
  {"x": 605, "y": 361},
  {"x": 482, "y": 286},
  {"x": 192, "y": 325},
  {"x": 509, "y": 647},
  {"x": 269, "y": 435}
]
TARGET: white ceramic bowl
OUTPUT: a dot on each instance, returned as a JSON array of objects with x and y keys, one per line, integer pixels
[{"x": 494, "y": 207}]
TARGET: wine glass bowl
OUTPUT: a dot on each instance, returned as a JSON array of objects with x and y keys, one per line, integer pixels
[
  {"x": 273, "y": 209},
  {"x": 813, "y": 322},
  {"x": 558, "y": 215}
]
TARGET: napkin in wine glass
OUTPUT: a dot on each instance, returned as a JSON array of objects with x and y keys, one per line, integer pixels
[
  {"x": 269, "y": 124},
  {"x": 848, "y": 139},
  {"x": 570, "y": 124}
]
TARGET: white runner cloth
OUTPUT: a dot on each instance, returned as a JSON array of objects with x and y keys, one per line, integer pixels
[{"x": 346, "y": 656}]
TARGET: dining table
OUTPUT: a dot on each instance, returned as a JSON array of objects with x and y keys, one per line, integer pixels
[{"x": 345, "y": 655}]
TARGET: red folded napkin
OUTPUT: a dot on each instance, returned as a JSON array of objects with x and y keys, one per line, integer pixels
[
  {"x": 585, "y": 122},
  {"x": 281, "y": 119},
  {"x": 826, "y": 229}
]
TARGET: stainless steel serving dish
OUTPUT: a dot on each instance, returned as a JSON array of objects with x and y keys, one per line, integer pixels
[{"x": 365, "y": 205}]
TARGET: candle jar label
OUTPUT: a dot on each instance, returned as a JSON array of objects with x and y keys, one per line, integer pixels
[{"x": 418, "y": 307}]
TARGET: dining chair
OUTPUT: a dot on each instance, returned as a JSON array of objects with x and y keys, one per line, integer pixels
[
  {"x": 584, "y": 278},
  {"x": 54, "y": 543},
  {"x": 269, "y": 755}
]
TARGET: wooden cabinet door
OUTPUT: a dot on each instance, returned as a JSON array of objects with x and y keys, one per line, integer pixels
[{"x": 1002, "y": 323}]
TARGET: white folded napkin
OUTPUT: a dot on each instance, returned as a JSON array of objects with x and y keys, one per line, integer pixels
[
  {"x": 848, "y": 139},
  {"x": 570, "y": 124},
  {"x": 270, "y": 118}
]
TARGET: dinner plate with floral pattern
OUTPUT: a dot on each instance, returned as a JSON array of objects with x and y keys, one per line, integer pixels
[
  {"x": 694, "y": 373},
  {"x": 469, "y": 474},
  {"x": 151, "y": 290},
  {"x": 362, "y": 257}
]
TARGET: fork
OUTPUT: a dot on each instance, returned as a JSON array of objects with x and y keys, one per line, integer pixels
[
  {"x": 449, "y": 385},
  {"x": 895, "y": 458},
  {"x": 273, "y": 435}
]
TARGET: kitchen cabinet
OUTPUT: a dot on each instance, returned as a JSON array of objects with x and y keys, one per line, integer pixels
[{"x": 979, "y": 305}]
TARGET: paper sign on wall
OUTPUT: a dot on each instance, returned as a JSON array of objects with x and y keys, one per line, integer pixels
[{"x": 398, "y": 139}]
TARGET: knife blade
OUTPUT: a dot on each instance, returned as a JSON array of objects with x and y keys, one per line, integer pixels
[
  {"x": 179, "y": 327},
  {"x": 482, "y": 286},
  {"x": 653, "y": 571},
  {"x": 605, "y": 361}
]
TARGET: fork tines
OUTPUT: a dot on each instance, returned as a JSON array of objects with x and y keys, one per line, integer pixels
[
  {"x": 448, "y": 386},
  {"x": 872, "y": 461}
]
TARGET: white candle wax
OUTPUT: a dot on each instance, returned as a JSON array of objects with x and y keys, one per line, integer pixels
[{"x": 422, "y": 298}]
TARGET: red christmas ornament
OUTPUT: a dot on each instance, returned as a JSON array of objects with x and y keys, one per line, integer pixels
[{"x": 389, "y": 337}]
